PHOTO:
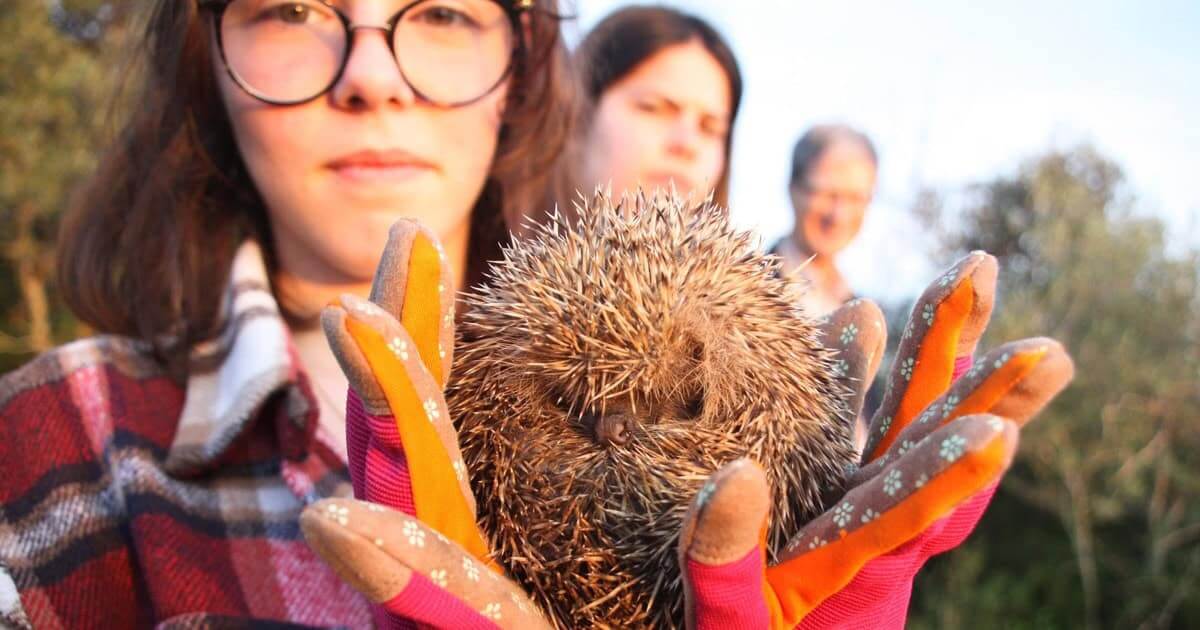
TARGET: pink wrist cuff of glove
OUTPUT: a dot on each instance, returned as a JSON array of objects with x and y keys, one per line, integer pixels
[
  {"x": 729, "y": 596},
  {"x": 961, "y": 365},
  {"x": 378, "y": 467},
  {"x": 379, "y": 474},
  {"x": 424, "y": 602}
]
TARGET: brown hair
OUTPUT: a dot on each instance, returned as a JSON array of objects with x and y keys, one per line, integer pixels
[
  {"x": 627, "y": 37},
  {"x": 147, "y": 248},
  {"x": 813, "y": 144}
]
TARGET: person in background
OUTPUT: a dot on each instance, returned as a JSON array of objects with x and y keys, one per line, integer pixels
[
  {"x": 661, "y": 90},
  {"x": 832, "y": 183}
]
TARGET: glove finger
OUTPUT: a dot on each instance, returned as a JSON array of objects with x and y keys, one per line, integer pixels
[
  {"x": 351, "y": 359},
  {"x": 946, "y": 324},
  {"x": 1014, "y": 381},
  {"x": 396, "y": 560},
  {"x": 721, "y": 552},
  {"x": 878, "y": 595},
  {"x": 414, "y": 284},
  {"x": 373, "y": 322},
  {"x": 858, "y": 334},
  {"x": 926, "y": 483},
  {"x": 440, "y": 491},
  {"x": 371, "y": 431}
]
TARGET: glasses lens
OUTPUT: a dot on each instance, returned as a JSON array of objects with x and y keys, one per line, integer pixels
[
  {"x": 283, "y": 51},
  {"x": 454, "y": 51}
]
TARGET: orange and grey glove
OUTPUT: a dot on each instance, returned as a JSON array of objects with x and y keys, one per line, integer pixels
[
  {"x": 410, "y": 543},
  {"x": 936, "y": 450}
]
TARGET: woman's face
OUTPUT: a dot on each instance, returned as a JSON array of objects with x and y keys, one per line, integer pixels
[
  {"x": 336, "y": 172},
  {"x": 832, "y": 201},
  {"x": 666, "y": 121}
]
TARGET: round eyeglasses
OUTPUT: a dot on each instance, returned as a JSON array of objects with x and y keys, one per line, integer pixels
[{"x": 450, "y": 52}]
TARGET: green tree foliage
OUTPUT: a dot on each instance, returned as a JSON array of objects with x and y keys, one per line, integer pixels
[
  {"x": 1098, "y": 522},
  {"x": 60, "y": 74}
]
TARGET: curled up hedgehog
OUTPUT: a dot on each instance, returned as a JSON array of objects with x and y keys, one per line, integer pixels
[{"x": 608, "y": 366}]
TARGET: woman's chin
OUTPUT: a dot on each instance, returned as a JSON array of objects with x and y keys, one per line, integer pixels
[{"x": 826, "y": 245}]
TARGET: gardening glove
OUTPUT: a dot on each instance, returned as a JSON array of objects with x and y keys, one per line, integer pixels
[
  {"x": 412, "y": 572},
  {"x": 936, "y": 450},
  {"x": 411, "y": 545}
]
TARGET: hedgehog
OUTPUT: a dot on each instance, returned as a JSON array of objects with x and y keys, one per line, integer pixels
[{"x": 610, "y": 363}]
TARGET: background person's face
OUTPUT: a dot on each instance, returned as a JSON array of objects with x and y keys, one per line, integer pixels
[
  {"x": 666, "y": 121},
  {"x": 831, "y": 202},
  {"x": 336, "y": 172}
]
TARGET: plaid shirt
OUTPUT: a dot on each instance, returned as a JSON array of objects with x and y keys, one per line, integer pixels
[{"x": 128, "y": 500}]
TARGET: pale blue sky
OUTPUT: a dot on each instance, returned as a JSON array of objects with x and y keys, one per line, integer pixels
[{"x": 955, "y": 92}]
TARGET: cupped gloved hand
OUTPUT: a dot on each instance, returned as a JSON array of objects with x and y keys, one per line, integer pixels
[
  {"x": 936, "y": 449},
  {"x": 410, "y": 542},
  {"x": 935, "y": 452}
]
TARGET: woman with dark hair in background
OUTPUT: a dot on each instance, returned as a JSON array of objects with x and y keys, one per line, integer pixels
[
  {"x": 155, "y": 473},
  {"x": 662, "y": 90}
]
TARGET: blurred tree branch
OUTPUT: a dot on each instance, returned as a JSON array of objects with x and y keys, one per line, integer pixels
[{"x": 62, "y": 70}]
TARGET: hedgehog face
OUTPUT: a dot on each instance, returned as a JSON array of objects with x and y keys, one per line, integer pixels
[
  {"x": 630, "y": 402},
  {"x": 606, "y": 369}
]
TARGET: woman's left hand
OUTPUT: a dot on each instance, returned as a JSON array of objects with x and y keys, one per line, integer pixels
[{"x": 935, "y": 453}]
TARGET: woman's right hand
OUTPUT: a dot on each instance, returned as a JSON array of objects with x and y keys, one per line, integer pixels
[
  {"x": 411, "y": 571},
  {"x": 410, "y": 543}
]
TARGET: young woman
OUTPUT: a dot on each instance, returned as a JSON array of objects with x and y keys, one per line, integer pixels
[
  {"x": 155, "y": 472},
  {"x": 662, "y": 89}
]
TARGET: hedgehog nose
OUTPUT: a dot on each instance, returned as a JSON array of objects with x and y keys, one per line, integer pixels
[{"x": 613, "y": 429}]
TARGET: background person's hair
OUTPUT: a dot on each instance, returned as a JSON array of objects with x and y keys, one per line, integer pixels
[
  {"x": 630, "y": 36},
  {"x": 812, "y": 145},
  {"x": 147, "y": 247}
]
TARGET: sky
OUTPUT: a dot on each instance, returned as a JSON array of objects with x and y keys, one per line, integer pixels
[{"x": 953, "y": 93}]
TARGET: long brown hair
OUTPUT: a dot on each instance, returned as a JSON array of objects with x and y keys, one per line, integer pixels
[
  {"x": 628, "y": 37},
  {"x": 147, "y": 248}
]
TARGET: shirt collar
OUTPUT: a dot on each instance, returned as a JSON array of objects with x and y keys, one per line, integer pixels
[{"x": 231, "y": 376}]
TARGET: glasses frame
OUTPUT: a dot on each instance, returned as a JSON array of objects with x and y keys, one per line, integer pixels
[
  {"x": 834, "y": 197},
  {"x": 512, "y": 10}
]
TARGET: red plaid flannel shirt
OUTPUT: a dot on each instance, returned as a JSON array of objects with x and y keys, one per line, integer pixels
[{"x": 130, "y": 500}]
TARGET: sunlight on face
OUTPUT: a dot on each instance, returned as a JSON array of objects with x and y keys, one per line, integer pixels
[
  {"x": 336, "y": 172},
  {"x": 666, "y": 121},
  {"x": 832, "y": 201}
]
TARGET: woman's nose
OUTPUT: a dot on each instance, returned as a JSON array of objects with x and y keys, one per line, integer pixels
[
  {"x": 371, "y": 77},
  {"x": 683, "y": 137}
]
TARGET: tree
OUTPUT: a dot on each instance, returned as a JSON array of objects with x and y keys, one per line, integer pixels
[
  {"x": 60, "y": 75},
  {"x": 1098, "y": 522}
]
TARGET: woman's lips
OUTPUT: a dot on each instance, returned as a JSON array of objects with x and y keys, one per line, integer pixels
[
  {"x": 665, "y": 180},
  {"x": 381, "y": 174},
  {"x": 380, "y": 167}
]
